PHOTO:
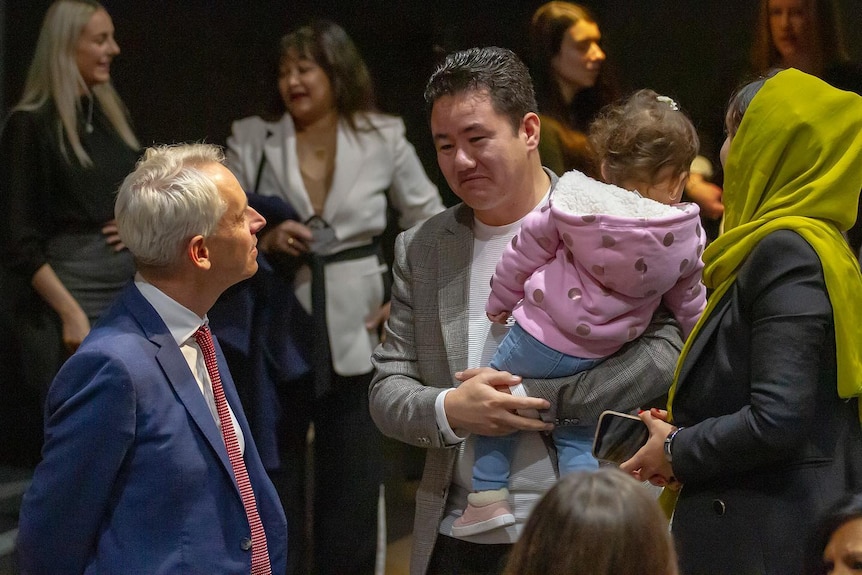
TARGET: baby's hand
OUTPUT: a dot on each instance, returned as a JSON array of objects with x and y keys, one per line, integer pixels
[{"x": 499, "y": 318}]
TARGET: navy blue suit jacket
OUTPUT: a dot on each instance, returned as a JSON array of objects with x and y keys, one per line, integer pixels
[{"x": 135, "y": 477}]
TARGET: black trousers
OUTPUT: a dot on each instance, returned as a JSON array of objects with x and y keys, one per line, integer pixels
[
  {"x": 456, "y": 557},
  {"x": 348, "y": 468}
]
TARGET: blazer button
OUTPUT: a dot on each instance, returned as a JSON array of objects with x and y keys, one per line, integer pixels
[
  {"x": 719, "y": 507},
  {"x": 245, "y": 544}
]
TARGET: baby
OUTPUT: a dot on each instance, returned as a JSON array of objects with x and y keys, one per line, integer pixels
[{"x": 587, "y": 271}]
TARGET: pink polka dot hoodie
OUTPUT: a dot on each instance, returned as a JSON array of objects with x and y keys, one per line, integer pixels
[{"x": 586, "y": 272}]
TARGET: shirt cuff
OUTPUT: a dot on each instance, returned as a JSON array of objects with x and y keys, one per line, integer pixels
[
  {"x": 449, "y": 436},
  {"x": 518, "y": 390}
]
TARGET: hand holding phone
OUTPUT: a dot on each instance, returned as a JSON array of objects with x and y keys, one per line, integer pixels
[{"x": 618, "y": 437}]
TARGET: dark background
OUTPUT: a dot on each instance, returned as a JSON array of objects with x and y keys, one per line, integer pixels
[{"x": 188, "y": 68}]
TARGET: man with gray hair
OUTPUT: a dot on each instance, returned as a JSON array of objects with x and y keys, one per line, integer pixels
[{"x": 149, "y": 465}]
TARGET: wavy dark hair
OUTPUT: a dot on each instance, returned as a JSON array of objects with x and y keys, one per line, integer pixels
[
  {"x": 327, "y": 44},
  {"x": 548, "y": 27},
  {"x": 741, "y": 100},
  {"x": 845, "y": 510}
]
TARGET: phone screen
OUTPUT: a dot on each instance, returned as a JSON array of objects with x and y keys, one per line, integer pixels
[{"x": 618, "y": 437}]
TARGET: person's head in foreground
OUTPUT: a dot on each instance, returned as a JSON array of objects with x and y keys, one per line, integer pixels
[{"x": 595, "y": 523}]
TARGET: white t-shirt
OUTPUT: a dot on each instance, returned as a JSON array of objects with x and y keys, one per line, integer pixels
[{"x": 532, "y": 472}]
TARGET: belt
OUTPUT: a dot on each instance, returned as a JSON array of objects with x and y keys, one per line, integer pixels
[{"x": 321, "y": 354}]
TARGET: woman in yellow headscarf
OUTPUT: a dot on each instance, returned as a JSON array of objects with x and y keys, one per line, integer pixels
[{"x": 765, "y": 431}]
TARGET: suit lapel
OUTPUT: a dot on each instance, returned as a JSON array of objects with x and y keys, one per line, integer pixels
[
  {"x": 280, "y": 149},
  {"x": 454, "y": 254},
  {"x": 704, "y": 335},
  {"x": 177, "y": 372},
  {"x": 183, "y": 382},
  {"x": 348, "y": 164}
]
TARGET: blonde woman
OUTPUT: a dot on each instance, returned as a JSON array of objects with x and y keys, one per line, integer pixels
[{"x": 64, "y": 150}]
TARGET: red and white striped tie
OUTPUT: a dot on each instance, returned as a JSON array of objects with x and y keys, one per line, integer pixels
[{"x": 259, "y": 555}]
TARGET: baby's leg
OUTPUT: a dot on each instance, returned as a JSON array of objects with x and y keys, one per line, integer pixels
[
  {"x": 574, "y": 448},
  {"x": 493, "y": 460},
  {"x": 488, "y": 506},
  {"x": 521, "y": 354}
]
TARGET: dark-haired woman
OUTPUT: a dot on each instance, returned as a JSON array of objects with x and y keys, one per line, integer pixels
[
  {"x": 324, "y": 175},
  {"x": 765, "y": 432},
  {"x": 572, "y": 84}
]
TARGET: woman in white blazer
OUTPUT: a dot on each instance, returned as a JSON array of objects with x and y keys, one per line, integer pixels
[{"x": 330, "y": 167}]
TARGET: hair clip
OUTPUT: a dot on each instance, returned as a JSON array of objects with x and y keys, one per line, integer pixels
[{"x": 664, "y": 99}]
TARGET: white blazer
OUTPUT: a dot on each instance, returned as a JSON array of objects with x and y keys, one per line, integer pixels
[{"x": 372, "y": 162}]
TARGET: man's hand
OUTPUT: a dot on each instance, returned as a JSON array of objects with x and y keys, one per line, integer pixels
[
  {"x": 706, "y": 195},
  {"x": 477, "y": 406},
  {"x": 650, "y": 463}
]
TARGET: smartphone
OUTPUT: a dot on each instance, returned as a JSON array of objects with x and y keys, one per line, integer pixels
[{"x": 618, "y": 437}]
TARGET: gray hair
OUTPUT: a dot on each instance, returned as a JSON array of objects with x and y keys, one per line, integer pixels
[{"x": 167, "y": 200}]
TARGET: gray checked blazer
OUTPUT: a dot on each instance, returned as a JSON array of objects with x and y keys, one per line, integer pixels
[{"x": 426, "y": 343}]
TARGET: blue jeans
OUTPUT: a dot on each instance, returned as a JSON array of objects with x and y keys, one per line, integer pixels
[{"x": 522, "y": 354}]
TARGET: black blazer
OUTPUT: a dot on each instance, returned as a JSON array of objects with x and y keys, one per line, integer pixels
[{"x": 769, "y": 445}]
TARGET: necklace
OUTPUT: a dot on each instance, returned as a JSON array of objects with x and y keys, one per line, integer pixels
[
  {"x": 316, "y": 152},
  {"x": 88, "y": 127}
]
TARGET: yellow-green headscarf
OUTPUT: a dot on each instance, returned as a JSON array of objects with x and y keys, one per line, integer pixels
[{"x": 795, "y": 163}]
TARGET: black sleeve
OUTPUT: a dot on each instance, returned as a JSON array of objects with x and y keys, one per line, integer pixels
[
  {"x": 782, "y": 292},
  {"x": 24, "y": 209}
]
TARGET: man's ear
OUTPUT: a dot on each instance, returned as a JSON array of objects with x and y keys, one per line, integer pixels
[
  {"x": 532, "y": 129},
  {"x": 198, "y": 253}
]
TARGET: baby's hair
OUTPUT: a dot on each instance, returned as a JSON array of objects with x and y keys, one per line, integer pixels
[{"x": 635, "y": 139}]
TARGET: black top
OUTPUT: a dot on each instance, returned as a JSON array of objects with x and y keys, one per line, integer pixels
[
  {"x": 44, "y": 192},
  {"x": 768, "y": 443},
  {"x": 845, "y": 76}
]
